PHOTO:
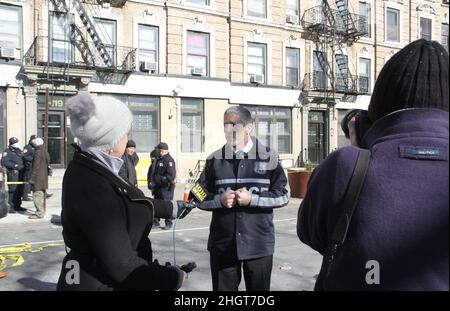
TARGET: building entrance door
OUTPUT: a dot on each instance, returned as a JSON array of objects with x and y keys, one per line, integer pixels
[
  {"x": 56, "y": 136},
  {"x": 317, "y": 136}
]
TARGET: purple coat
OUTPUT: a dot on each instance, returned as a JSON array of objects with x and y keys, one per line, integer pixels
[{"x": 402, "y": 216}]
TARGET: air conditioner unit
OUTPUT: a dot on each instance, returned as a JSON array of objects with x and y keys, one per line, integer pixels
[
  {"x": 8, "y": 52},
  {"x": 148, "y": 67},
  {"x": 197, "y": 71},
  {"x": 257, "y": 79},
  {"x": 292, "y": 19}
]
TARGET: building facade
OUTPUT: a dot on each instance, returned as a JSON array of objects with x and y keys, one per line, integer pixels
[{"x": 298, "y": 65}]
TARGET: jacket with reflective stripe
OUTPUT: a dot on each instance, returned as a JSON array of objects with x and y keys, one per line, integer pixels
[{"x": 244, "y": 232}]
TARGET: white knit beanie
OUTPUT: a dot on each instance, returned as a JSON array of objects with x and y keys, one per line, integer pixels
[{"x": 98, "y": 122}]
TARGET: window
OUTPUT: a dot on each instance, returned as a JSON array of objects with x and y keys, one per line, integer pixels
[
  {"x": 145, "y": 126},
  {"x": 205, "y": 2},
  {"x": 10, "y": 26},
  {"x": 364, "y": 75},
  {"x": 2, "y": 118},
  {"x": 191, "y": 125},
  {"x": 256, "y": 60},
  {"x": 61, "y": 47},
  {"x": 148, "y": 44},
  {"x": 292, "y": 7},
  {"x": 341, "y": 72},
  {"x": 444, "y": 36},
  {"x": 273, "y": 127},
  {"x": 393, "y": 25},
  {"x": 257, "y": 8},
  {"x": 319, "y": 74},
  {"x": 106, "y": 30},
  {"x": 292, "y": 67},
  {"x": 364, "y": 12},
  {"x": 425, "y": 28},
  {"x": 197, "y": 53}
]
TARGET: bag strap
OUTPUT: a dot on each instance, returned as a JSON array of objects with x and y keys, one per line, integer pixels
[
  {"x": 351, "y": 197},
  {"x": 348, "y": 207}
]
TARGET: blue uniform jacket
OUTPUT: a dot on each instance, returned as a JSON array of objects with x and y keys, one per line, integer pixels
[{"x": 244, "y": 232}]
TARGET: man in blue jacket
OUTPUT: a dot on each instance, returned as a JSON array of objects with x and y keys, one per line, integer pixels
[
  {"x": 244, "y": 183},
  {"x": 399, "y": 233}
]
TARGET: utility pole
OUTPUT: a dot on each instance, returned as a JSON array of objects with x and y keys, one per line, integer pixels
[{"x": 46, "y": 137}]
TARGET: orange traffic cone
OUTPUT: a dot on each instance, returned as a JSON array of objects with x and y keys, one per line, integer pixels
[{"x": 186, "y": 193}]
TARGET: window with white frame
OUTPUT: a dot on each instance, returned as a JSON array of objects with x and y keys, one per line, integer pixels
[
  {"x": 392, "y": 25},
  {"x": 257, "y": 61},
  {"x": 364, "y": 13},
  {"x": 107, "y": 31},
  {"x": 273, "y": 127},
  {"x": 197, "y": 53},
  {"x": 444, "y": 36},
  {"x": 145, "y": 124},
  {"x": 425, "y": 28},
  {"x": 292, "y": 8},
  {"x": 10, "y": 26},
  {"x": 364, "y": 75},
  {"x": 148, "y": 44},
  {"x": 61, "y": 46},
  {"x": 191, "y": 125},
  {"x": 292, "y": 67},
  {"x": 257, "y": 8},
  {"x": 205, "y": 2}
]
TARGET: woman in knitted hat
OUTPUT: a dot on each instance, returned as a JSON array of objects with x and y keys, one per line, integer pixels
[
  {"x": 106, "y": 220},
  {"x": 398, "y": 234}
]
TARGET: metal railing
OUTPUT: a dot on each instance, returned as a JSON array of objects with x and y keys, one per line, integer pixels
[
  {"x": 342, "y": 22},
  {"x": 70, "y": 52},
  {"x": 343, "y": 83}
]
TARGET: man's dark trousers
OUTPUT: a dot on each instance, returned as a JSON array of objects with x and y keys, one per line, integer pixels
[
  {"x": 226, "y": 273},
  {"x": 163, "y": 194}
]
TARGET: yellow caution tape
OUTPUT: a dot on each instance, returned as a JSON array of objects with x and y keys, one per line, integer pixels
[{"x": 10, "y": 253}]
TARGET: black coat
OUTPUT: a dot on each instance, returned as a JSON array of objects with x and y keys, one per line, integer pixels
[
  {"x": 12, "y": 159},
  {"x": 165, "y": 172},
  {"x": 106, "y": 223},
  {"x": 128, "y": 169},
  {"x": 28, "y": 155}
]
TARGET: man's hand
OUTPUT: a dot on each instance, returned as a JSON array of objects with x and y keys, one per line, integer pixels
[
  {"x": 228, "y": 198},
  {"x": 243, "y": 197}
]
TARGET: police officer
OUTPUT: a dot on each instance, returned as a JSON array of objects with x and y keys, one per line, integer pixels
[
  {"x": 12, "y": 159},
  {"x": 164, "y": 179},
  {"x": 28, "y": 155}
]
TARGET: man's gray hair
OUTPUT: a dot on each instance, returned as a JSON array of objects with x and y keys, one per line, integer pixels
[{"x": 244, "y": 114}]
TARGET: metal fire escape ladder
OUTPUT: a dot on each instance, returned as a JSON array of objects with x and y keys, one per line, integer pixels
[
  {"x": 89, "y": 24},
  {"x": 344, "y": 13},
  {"x": 76, "y": 36}
]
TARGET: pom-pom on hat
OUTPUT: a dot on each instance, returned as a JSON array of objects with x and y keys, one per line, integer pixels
[
  {"x": 98, "y": 122},
  {"x": 415, "y": 77}
]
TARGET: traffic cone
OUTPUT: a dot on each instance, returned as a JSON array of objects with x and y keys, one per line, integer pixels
[{"x": 186, "y": 193}]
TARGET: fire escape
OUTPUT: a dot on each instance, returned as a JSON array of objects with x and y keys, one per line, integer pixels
[
  {"x": 331, "y": 29},
  {"x": 82, "y": 46}
]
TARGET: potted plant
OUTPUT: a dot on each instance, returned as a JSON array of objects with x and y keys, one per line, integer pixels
[{"x": 298, "y": 179}]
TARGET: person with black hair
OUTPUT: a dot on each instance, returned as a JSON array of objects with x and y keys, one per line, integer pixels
[
  {"x": 28, "y": 155},
  {"x": 130, "y": 160},
  {"x": 398, "y": 232}
]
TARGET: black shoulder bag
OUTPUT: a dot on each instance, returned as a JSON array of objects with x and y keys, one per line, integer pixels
[{"x": 343, "y": 222}]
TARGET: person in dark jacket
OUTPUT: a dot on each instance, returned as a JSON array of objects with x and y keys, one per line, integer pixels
[
  {"x": 399, "y": 233},
  {"x": 28, "y": 154},
  {"x": 244, "y": 182},
  {"x": 130, "y": 160},
  {"x": 12, "y": 160},
  {"x": 106, "y": 220},
  {"x": 164, "y": 179},
  {"x": 151, "y": 170},
  {"x": 39, "y": 178}
]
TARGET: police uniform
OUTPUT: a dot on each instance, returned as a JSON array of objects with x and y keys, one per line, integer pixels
[
  {"x": 28, "y": 155},
  {"x": 243, "y": 236},
  {"x": 12, "y": 160},
  {"x": 164, "y": 180}
]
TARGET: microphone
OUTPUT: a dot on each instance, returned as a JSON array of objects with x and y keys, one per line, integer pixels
[{"x": 199, "y": 195}]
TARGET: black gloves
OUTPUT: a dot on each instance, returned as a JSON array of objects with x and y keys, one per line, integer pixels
[{"x": 184, "y": 209}]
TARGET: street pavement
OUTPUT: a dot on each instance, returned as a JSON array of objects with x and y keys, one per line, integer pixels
[{"x": 294, "y": 266}]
